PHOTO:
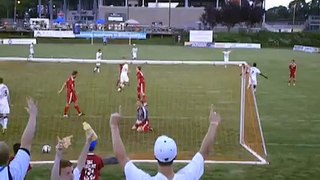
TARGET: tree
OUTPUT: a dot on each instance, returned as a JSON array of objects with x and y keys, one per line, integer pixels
[
  {"x": 211, "y": 17},
  {"x": 256, "y": 15},
  {"x": 231, "y": 15},
  {"x": 277, "y": 13},
  {"x": 299, "y": 9}
]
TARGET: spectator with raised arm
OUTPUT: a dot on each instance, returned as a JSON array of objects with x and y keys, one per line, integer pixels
[
  {"x": 165, "y": 152},
  {"x": 62, "y": 169},
  {"x": 18, "y": 167}
]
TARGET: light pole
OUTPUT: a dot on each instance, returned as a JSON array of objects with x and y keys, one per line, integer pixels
[
  {"x": 15, "y": 11},
  {"x": 169, "y": 13},
  {"x": 294, "y": 13}
]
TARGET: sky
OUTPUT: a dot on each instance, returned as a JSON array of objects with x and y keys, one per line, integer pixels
[{"x": 273, "y": 3}]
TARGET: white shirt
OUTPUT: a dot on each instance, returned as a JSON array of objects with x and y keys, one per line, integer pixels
[
  {"x": 4, "y": 94},
  {"x": 98, "y": 56},
  {"x": 125, "y": 68},
  {"x": 76, "y": 174},
  {"x": 226, "y": 55},
  {"x": 254, "y": 72},
  {"x": 18, "y": 166},
  {"x": 193, "y": 171},
  {"x": 31, "y": 47},
  {"x": 134, "y": 50}
]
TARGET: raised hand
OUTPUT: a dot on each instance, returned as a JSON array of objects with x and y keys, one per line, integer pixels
[
  {"x": 214, "y": 117},
  {"x": 32, "y": 107},
  {"x": 115, "y": 118}
]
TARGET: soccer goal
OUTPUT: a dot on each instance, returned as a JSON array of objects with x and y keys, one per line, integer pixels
[{"x": 179, "y": 96}]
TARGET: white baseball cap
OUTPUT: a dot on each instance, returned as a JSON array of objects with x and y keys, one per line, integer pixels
[{"x": 165, "y": 149}]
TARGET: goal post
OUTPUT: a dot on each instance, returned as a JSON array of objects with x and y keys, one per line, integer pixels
[{"x": 248, "y": 134}]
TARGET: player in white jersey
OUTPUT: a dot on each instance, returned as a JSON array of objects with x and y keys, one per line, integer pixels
[
  {"x": 31, "y": 51},
  {"x": 4, "y": 106},
  {"x": 124, "y": 79},
  {"x": 253, "y": 79},
  {"x": 134, "y": 52},
  {"x": 98, "y": 61},
  {"x": 226, "y": 54}
]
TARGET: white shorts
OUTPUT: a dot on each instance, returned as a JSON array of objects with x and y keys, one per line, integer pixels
[
  {"x": 31, "y": 52},
  {"x": 252, "y": 82},
  {"x": 134, "y": 56},
  {"x": 4, "y": 109},
  {"x": 98, "y": 64},
  {"x": 124, "y": 78}
]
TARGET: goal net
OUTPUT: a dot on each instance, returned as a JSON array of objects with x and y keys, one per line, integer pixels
[{"x": 179, "y": 96}]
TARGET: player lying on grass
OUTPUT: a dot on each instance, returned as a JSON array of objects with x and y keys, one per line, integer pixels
[
  {"x": 4, "y": 106},
  {"x": 63, "y": 169},
  {"x": 18, "y": 167},
  {"x": 124, "y": 78},
  {"x": 253, "y": 73},
  {"x": 71, "y": 94},
  {"x": 142, "y": 123},
  {"x": 293, "y": 73},
  {"x": 165, "y": 152}
]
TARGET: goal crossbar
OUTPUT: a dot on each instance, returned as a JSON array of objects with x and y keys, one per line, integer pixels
[{"x": 260, "y": 160}]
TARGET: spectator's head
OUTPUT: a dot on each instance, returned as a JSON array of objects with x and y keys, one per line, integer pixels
[
  {"x": 138, "y": 68},
  {"x": 92, "y": 146},
  {"x": 74, "y": 74},
  {"x": 1, "y": 80},
  {"x": 4, "y": 153},
  {"x": 16, "y": 148},
  {"x": 254, "y": 64},
  {"x": 66, "y": 170},
  {"x": 165, "y": 150}
]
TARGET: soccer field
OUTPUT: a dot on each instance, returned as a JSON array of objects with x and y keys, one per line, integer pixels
[{"x": 179, "y": 99}]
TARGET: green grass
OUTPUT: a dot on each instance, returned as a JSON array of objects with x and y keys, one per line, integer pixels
[{"x": 290, "y": 115}]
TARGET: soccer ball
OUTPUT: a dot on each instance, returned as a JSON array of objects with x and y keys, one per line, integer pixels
[{"x": 46, "y": 148}]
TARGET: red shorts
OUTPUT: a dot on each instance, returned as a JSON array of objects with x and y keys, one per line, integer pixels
[
  {"x": 71, "y": 97},
  {"x": 292, "y": 75},
  {"x": 144, "y": 127}
]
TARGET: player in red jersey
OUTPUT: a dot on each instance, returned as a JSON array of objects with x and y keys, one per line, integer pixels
[
  {"x": 71, "y": 94},
  {"x": 141, "y": 86},
  {"x": 93, "y": 166},
  {"x": 293, "y": 72}
]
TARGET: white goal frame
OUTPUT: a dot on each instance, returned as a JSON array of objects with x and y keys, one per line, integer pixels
[{"x": 260, "y": 160}]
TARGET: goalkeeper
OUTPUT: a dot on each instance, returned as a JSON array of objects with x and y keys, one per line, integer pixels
[{"x": 142, "y": 123}]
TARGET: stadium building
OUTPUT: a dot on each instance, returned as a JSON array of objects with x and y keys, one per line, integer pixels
[{"x": 172, "y": 13}]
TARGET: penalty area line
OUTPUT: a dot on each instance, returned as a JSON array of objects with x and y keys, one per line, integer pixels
[{"x": 176, "y": 161}]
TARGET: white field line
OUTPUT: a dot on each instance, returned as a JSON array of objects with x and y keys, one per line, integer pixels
[
  {"x": 294, "y": 145},
  {"x": 261, "y": 159},
  {"x": 112, "y": 61},
  {"x": 176, "y": 161}
]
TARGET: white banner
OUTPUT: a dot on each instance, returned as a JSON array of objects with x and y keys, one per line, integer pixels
[
  {"x": 19, "y": 41},
  {"x": 237, "y": 45},
  {"x": 53, "y": 34},
  {"x": 307, "y": 49},
  {"x": 201, "y": 36}
]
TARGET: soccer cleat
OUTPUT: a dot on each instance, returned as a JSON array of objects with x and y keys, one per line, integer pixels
[
  {"x": 294, "y": 84},
  {"x": 65, "y": 116},
  {"x": 81, "y": 114},
  {"x": 134, "y": 127},
  {"x": 289, "y": 84}
]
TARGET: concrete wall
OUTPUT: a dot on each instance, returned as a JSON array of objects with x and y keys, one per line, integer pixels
[{"x": 180, "y": 17}]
